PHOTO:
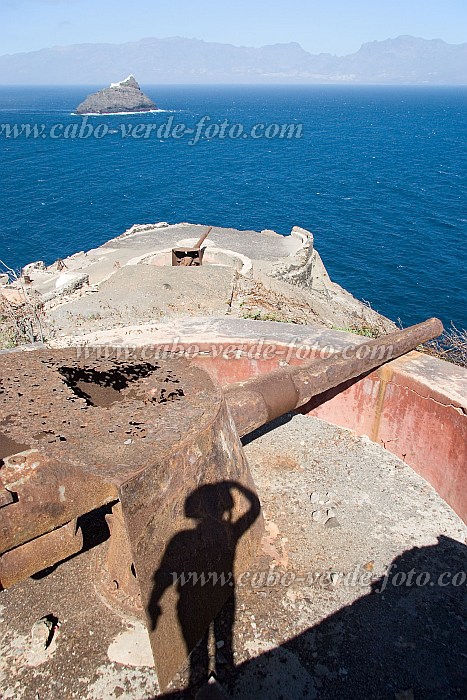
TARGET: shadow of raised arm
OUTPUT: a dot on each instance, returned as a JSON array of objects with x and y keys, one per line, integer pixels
[{"x": 245, "y": 521}]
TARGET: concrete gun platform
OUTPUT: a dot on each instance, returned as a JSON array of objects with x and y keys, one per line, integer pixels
[{"x": 246, "y": 274}]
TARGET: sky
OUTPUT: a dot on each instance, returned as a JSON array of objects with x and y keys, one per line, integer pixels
[{"x": 333, "y": 26}]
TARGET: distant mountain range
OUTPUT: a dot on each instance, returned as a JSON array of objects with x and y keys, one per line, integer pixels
[{"x": 403, "y": 61}]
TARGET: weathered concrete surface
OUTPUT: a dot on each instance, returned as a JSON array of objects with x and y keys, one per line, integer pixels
[
  {"x": 205, "y": 333},
  {"x": 340, "y": 510},
  {"x": 134, "y": 295},
  {"x": 250, "y": 274},
  {"x": 360, "y": 511}
]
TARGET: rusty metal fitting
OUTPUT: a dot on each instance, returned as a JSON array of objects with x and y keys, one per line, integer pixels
[
  {"x": 187, "y": 257},
  {"x": 113, "y": 569}
]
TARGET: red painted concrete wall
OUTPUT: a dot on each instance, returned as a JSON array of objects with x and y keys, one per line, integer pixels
[{"x": 410, "y": 406}]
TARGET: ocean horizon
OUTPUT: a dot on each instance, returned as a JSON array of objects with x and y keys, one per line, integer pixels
[{"x": 378, "y": 174}]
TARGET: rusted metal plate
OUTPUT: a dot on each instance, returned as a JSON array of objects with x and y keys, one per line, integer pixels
[
  {"x": 84, "y": 422},
  {"x": 19, "y": 563},
  {"x": 194, "y": 522},
  {"x": 46, "y": 493}
]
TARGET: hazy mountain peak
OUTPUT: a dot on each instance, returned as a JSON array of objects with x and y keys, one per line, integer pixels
[
  {"x": 400, "y": 60},
  {"x": 294, "y": 45}
]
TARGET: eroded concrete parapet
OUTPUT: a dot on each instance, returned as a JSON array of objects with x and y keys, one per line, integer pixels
[
  {"x": 302, "y": 276},
  {"x": 65, "y": 283},
  {"x": 297, "y": 267},
  {"x": 37, "y": 265},
  {"x": 141, "y": 228}
]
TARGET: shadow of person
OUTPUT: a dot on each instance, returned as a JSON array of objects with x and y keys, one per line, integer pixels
[
  {"x": 200, "y": 564},
  {"x": 406, "y": 638}
]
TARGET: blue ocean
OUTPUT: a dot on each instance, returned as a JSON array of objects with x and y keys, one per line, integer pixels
[{"x": 378, "y": 175}]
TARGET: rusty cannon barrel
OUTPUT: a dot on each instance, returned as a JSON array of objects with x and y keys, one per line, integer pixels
[{"x": 258, "y": 401}]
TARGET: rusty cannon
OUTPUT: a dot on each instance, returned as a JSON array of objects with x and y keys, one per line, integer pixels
[
  {"x": 158, "y": 440},
  {"x": 190, "y": 257}
]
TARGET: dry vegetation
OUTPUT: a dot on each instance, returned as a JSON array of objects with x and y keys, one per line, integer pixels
[
  {"x": 20, "y": 315},
  {"x": 451, "y": 346}
]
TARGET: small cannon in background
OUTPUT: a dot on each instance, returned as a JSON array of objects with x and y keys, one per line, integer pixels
[
  {"x": 80, "y": 429},
  {"x": 190, "y": 257}
]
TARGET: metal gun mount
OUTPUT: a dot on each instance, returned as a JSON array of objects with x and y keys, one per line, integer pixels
[
  {"x": 160, "y": 441},
  {"x": 188, "y": 257}
]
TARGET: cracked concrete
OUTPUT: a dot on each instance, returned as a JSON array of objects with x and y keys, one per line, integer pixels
[{"x": 462, "y": 411}]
